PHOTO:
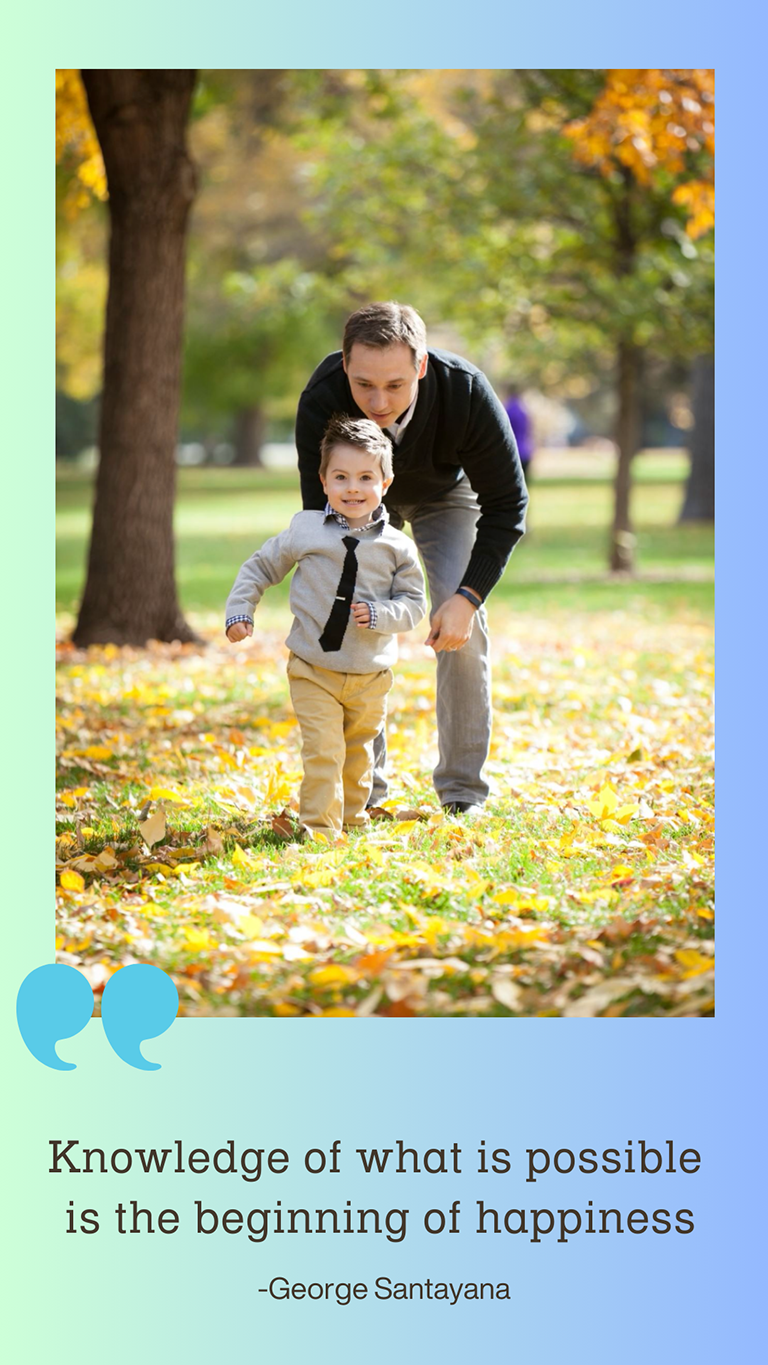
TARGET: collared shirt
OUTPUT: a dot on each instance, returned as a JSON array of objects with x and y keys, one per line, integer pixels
[
  {"x": 396, "y": 429},
  {"x": 380, "y": 514}
]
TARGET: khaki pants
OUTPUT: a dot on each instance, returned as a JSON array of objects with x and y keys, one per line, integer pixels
[{"x": 340, "y": 714}]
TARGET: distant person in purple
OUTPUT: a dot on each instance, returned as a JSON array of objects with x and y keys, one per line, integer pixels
[{"x": 520, "y": 422}]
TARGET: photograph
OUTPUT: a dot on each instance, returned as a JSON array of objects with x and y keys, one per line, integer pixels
[{"x": 385, "y": 527}]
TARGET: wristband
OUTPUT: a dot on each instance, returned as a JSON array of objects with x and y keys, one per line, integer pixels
[{"x": 470, "y": 596}]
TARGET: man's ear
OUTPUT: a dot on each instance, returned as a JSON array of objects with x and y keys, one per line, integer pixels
[{"x": 423, "y": 366}]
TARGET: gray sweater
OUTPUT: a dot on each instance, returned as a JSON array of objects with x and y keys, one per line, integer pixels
[{"x": 388, "y": 576}]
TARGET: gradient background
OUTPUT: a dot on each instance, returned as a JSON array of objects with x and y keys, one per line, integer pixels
[{"x": 299, "y": 1084}]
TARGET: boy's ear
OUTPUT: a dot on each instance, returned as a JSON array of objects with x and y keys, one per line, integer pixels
[{"x": 385, "y": 484}]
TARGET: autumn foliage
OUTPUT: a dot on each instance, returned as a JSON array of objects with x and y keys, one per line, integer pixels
[
  {"x": 77, "y": 146},
  {"x": 586, "y": 888},
  {"x": 656, "y": 122}
]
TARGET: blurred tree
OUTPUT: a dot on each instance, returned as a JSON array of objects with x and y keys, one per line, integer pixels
[
  {"x": 76, "y": 425},
  {"x": 140, "y": 118},
  {"x": 699, "y": 502},
  {"x": 651, "y": 134},
  {"x": 550, "y": 215},
  {"x": 77, "y": 149},
  {"x": 263, "y": 306},
  {"x": 81, "y": 274},
  {"x": 256, "y": 342}
]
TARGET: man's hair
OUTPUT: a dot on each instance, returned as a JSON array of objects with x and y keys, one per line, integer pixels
[
  {"x": 386, "y": 324},
  {"x": 360, "y": 433}
]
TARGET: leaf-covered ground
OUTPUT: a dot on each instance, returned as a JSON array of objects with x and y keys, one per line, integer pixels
[{"x": 585, "y": 889}]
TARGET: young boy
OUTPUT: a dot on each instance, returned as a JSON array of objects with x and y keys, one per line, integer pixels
[{"x": 357, "y": 583}]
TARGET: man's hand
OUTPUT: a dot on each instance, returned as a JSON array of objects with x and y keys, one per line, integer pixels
[
  {"x": 451, "y": 624},
  {"x": 361, "y": 613},
  {"x": 239, "y": 630}
]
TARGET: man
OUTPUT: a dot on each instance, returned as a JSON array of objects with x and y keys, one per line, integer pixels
[{"x": 458, "y": 482}]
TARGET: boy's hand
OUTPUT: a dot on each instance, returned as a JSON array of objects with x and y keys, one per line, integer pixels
[
  {"x": 239, "y": 630},
  {"x": 361, "y": 613}
]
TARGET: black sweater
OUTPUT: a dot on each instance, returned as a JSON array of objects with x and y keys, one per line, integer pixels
[{"x": 458, "y": 426}]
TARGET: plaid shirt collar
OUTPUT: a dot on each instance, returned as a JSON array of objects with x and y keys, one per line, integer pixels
[{"x": 380, "y": 514}]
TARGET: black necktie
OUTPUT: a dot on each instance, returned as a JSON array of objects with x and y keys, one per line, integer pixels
[{"x": 332, "y": 636}]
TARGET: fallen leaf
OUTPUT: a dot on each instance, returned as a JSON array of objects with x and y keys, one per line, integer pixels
[
  {"x": 508, "y": 993},
  {"x": 72, "y": 881},
  {"x": 153, "y": 828}
]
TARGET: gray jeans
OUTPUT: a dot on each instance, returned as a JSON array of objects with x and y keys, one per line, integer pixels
[{"x": 444, "y": 533}]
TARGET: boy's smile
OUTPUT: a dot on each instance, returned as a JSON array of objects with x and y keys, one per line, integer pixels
[{"x": 354, "y": 484}]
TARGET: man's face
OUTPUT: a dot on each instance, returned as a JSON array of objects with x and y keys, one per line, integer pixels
[
  {"x": 383, "y": 380},
  {"x": 354, "y": 484}
]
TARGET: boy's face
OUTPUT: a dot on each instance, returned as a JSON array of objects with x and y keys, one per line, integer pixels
[
  {"x": 383, "y": 380},
  {"x": 354, "y": 484}
]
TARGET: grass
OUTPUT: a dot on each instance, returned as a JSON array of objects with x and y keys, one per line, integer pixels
[{"x": 222, "y": 515}]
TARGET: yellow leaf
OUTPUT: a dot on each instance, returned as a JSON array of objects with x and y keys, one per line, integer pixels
[
  {"x": 507, "y": 897},
  {"x": 72, "y": 881},
  {"x": 158, "y": 867},
  {"x": 624, "y": 813},
  {"x": 97, "y": 752},
  {"x": 604, "y": 804},
  {"x": 694, "y": 962},
  {"x": 167, "y": 794},
  {"x": 508, "y": 939},
  {"x": 475, "y": 889},
  {"x": 199, "y": 940},
  {"x": 332, "y": 975},
  {"x": 242, "y": 859},
  {"x": 251, "y": 926}
]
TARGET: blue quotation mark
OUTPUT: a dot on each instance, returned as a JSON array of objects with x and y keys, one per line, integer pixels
[{"x": 56, "y": 1002}]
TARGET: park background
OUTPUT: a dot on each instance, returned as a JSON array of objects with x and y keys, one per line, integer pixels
[{"x": 556, "y": 227}]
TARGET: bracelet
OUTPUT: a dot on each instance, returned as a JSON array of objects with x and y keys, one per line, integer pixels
[{"x": 470, "y": 596}]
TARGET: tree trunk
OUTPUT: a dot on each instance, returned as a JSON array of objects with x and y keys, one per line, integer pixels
[
  {"x": 699, "y": 504},
  {"x": 622, "y": 551},
  {"x": 140, "y": 119},
  {"x": 249, "y": 437},
  {"x": 622, "y": 558}
]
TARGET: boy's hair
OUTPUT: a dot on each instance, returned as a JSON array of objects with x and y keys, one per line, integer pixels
[
  {"x": 386, "y": 324},
  {"x": 358, "y": 432}
]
